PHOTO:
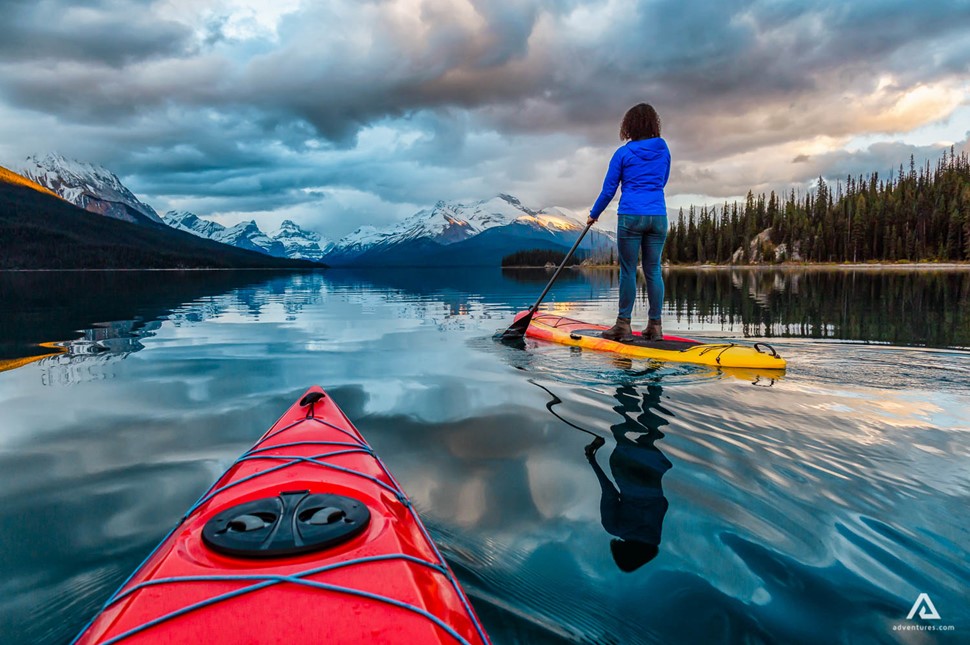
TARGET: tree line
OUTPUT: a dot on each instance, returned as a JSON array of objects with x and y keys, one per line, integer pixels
[{"x": 916, "y": 215}]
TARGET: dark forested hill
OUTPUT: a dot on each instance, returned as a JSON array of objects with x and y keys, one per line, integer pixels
[{"x": 41, "y": 231}]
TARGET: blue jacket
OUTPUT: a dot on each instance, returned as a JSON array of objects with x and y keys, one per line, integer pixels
[{"x": 643, "y": 168}]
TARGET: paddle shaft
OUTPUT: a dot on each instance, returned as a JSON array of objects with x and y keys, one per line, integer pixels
[
  {"x": 516, "y": 331},
  {"x": 562, "y": 264}
]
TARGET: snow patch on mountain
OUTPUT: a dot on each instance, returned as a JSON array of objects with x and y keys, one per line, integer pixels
[
  {"x": 299, "y": 243},
  {"x": 448, "y": 223},
  {"x": 557, "y": 218},
  {"x": 289, "y": 241},
  {"x": 192, "y": 223},
  {"x": 247, "y": 235},
  {"x": 87, "y": 185}
]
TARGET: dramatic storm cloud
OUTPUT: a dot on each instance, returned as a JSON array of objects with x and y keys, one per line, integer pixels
[{"x": 342, "y": 113}]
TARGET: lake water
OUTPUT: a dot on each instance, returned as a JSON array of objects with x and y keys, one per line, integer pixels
[{"x": 815, "y": 507}]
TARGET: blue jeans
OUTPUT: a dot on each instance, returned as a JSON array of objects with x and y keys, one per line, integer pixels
[{"x": 636, "y": 233}]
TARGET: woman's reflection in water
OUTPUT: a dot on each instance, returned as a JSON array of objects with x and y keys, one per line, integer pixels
[{"x": 634, "y": 509}]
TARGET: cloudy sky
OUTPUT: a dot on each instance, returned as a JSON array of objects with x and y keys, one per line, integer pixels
[{"x": 347, "y": 112}]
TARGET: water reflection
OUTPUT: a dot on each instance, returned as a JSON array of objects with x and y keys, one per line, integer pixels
[
  {"x": 81, "y": 358},
  {"x": 632, "y": 504},
  {"x": 85, "y": 313},
  {"x": 892, "y": 305},
  {"x": 813, "y": 510},
  {"x": 633, "y": 509}
]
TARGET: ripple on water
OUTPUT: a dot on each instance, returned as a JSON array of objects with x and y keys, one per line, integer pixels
[
  {"x": 77, "y": 595},
  {"x": 520, "y": 588}
]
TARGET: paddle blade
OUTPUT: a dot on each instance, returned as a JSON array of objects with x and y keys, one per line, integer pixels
[{"x": 516, "y": 330}]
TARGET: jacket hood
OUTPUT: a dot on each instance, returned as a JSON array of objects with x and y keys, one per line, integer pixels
[{"x": 649, "y": 149}]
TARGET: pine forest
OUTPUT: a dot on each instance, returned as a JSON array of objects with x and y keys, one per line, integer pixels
[{"x": 915, "y": 215}]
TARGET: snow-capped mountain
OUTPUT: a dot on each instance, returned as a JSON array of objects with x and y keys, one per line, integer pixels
[
  {"x": 290, "y": 241},
  {"x": 247, "y": 235},
  {"x": 448, "y": 223},
  {"x": 465, "y": 234},
  {"x": 359, "y": 241},
  {"x": 192, "y": 223},
  {"x": 448, "y": 234},
  {"x": 445, "y": 223},
  {"x": 299, "y": 243},
  {"x": 414, "y": 240},
  {"x": 89, "y": 186}
]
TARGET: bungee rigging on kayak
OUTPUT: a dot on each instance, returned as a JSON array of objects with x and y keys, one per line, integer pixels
[{"x": 308, "y": 538}]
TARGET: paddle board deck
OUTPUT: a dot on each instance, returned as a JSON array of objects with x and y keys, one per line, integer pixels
[{"x": 577, "y": 333}]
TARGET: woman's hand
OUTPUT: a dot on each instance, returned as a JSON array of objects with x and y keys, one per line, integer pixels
[{"x": 590, "y": 221}]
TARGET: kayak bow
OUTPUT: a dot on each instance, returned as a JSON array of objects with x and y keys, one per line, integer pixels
[{"x": 307, "y": 538}]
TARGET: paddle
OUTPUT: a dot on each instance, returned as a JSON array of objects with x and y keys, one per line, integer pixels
[{"x": 516, "y": 330}]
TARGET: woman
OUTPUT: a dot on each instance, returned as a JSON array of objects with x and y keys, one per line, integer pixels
[{"x": 642, "y": 166}]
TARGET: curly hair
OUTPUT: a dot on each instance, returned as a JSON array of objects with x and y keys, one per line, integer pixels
[{"x": 640, "y": 122}]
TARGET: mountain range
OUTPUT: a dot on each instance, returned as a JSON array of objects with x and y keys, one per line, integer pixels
[
  {"x": 289, "y": 241},
  {"x": 479, "y": 233},
  {"x": 41, "y": 230},
  {"x": 454, "y": 234}
]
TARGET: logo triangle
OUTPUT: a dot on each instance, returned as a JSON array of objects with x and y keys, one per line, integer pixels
[{"x": 927, "y": 611}]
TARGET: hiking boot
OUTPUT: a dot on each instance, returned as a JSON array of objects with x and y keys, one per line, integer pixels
[
  {"x": 621, "y": 331},
  {"x": 653, "y": 331}
]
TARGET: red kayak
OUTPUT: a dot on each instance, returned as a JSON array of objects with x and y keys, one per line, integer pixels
[{"x": 307, "y": 538}]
